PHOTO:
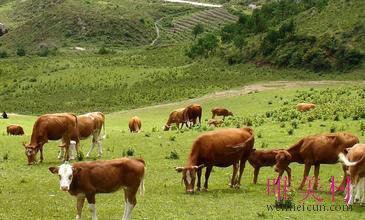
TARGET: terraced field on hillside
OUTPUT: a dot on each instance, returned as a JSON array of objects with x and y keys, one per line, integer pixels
[{"x": 178, "y": 29}]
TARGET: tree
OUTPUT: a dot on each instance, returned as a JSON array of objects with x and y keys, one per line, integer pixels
[
  {"x": 198, "y": 29},
  {"x": 204, "y": 46}
]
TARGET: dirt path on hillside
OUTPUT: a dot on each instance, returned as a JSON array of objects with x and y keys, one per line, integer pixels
[{"x": 257, "y": 87}]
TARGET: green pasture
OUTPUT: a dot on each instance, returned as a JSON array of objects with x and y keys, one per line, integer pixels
[{"x": 32, "y": 192}]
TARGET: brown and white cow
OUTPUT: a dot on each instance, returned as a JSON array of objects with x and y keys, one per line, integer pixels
[
  {"x": 14, "y": 130},
  {"x": 89, "y": 124},
  {"x": 221, "y": 112},
  {"x": 51, "y": 127},
  {"x": 193, "y": 113},
  {"x": 265, "y": 158},
  {"x": 86, "y": 179},
  {"x": 135, "y": 125},
  {"x": 178, "y": 117},
  {"x": 355, "y": 160},
  {"x": 221, "y": 148},
  {"x": 215, "y": 122},
  {"x": 303, "y": 107},
  {"x": 316, "y": 150}
]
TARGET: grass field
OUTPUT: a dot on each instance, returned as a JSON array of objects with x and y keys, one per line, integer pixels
[{"x": 32, "y": 192}]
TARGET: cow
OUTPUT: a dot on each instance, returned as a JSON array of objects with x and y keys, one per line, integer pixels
[
  {"x": 221, "y": 112},
  {"x": 86, "y": 179},
  {"x": 316, "y": 150},
  {"x": 355, "y": 160},
  {"x": 178, "y": 117},
  {"x": 14, "y": 130},
  {"x": 265, "y": 158},
  {"x": 221, "y": 148},
  {"x": 89, "y": 124},
  {"x": 303, "y": 107},
  {"x": 193, "y": 113},
  {"x": 51, "y": 127},
  {"x": 135, "y": 124},
  {"x": 215, "y": 122}
]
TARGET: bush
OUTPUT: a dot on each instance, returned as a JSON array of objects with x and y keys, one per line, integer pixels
[
  {"x": 173, "y": 155},
  {"x": 129, "y": 152},
  {"x": 103, "y": 51},
  {"x": 203, "y": 47},
  {"x": 3, "y": 54},
  {"x": 20, "y": 51}
]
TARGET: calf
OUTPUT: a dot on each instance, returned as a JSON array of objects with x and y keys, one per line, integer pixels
[
  {"x": 221, "y": 112},
  {"x": 316, "y": 150},
  {"x": 265, "y": 158},
  {"x": 303, "y": 107},
  {"x": 14, "y": 130},
  {"x": 135, "y": 124},
  {"x": 356, "y": 171},
  {"x": 215, "y": 122},
  {"x": 178, "y": 117},
  {"x": 85, "y": 179},
  {"x": 221, "y": 148}
]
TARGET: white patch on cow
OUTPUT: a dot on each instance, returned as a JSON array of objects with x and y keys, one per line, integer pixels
[
  {"x": 188, "y": 176},
  {"x": 65, "y": 173},
  {"x": 72, "y": 150},
  {"x": 127, "y": 210},
  {"x": 92, "y": 209}
]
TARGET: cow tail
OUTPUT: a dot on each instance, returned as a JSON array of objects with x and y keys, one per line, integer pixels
[
  {"x": 141, "y": 185},
  {"x": 343, "y": 159},
  {"x": 104, "y": 128},
  {"x": 135, "y": 125}
]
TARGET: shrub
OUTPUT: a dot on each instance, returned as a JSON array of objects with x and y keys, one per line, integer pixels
[
  {"x": 291, "y": 131},
  {"x": 203, "y": 47},
  {"x": 103, "y": 51},
  {"x": 80, "y": 156},
  {"x": 3, "y": 54},
  {"x": 6, "y": 156},
  {"x": 129, "y": 152},
  {"x": 173, "y": 155},
  {"x": 20, "y": 51}
]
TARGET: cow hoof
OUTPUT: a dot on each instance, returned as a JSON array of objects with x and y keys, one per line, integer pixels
[
  {"x": 237, "y": 186},
  {"x": 204, "y": 189}
]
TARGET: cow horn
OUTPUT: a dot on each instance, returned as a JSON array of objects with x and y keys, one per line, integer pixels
[
  {"x": 198, "y": 167},
  {"x": 179, "y": 169}
]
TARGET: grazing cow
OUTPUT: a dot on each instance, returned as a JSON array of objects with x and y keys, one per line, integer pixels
[
  {"x": 89, "y": 124},
  {"x": 356, "y": 171},
  {"x": 135, "y": 124},
  {"x": 14, "y": 130},
  {"x": 51, "y": 127},
  {"x": 84, "y": 180},
  {"x": 193, "y": 112},
  {"x": 215, "y": 122},
  {"x": 303, "y": 107},
  {"x": 178, "y": 117},
  {"x": 221, "y": 112},
  {"x": 220, "y": 148},
  {"x": 316, "y": 150},
  {"x": 265, "y": 158}
]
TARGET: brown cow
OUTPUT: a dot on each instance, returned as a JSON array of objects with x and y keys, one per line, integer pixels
[
  {"x": 265, "y": 158},
  {"x": 135, "y": 124},
  {"x": 193, "y": 112},
  {"x": 316, "y": 150},
  {"x": 84, "y": 180},
  {"x": 221, "y": 112},
  {"x": 215, "y": 122},
  {"x": 178, "y": 117},
  {"x": 89, "y": 124},
  {"x": 303, "y": 107},
  {"x": 221, "y": 148},
  {"x": 356, "y": 171},
  {"x": 51, "y": 127},
  {"x": 14, "y": 130}
]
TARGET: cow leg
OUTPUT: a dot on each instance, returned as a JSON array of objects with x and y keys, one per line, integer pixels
[
  {"x": 80, "y": 205},
  {"x": 234, "y": 175},
  {"x": 91, "y": 200},
  {"x": 288, "y": 171},
  {"x": 207, "y": 174},
  {"x": 316, "y": 174},
  {"x": 91, "y": 149},
  {"x": 279, "y": 177},
  {"x": 61, "y": 153},
  {"x": 199, "y": 175},
  {"x": 352, "y": 191},
  {"x": 341, "y": 188},
  {"x": 307, "y": 168},
  {"x": 256, "y": 174},
  {"x": 242, "y": 168},
  {"x": 130, "y": 201},
  {"x": 66, "y": 156},
  {"x": 100, "y": 149},
  {"x": 362, "y": 190},
  {"x": 41, "y": 150}
]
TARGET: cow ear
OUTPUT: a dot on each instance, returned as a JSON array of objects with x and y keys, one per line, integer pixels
[
  {"x": 76, "y": 170},
  {"x": 287, "y": 155},
  {"x": 347, "y": 150},
  {"x": 53, "y": 170},
  {"x": 24, "y": 144},
  {"x": 179, "y": 169}
]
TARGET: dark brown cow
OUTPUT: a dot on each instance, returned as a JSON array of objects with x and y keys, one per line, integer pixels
[
  {"x": 215, "y": 122},
  {"x": 316, "y": 150},
  {"x": 51, "y": 127},
  {"x": 265, "y": 158},
  {"x": 84, "y": 180},
  {"x": 355, "y": 160},
  {"x": 14, "y": 130},
  {"x": 135, "y": 124},
  {"x": 303, "y": 107},
  {"x": 221, "y": 148},
  {"x": 178, "y": 117},
  {"x": 221, "y": 112},
  {"x": 193, "y": 113},
  {"x": 89, "y": 124}
]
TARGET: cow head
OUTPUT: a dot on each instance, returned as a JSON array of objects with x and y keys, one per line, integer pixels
[
  {"x": 66, "y": 173},
  {"x": 31, "y": 153},
  {"x": 230, "y": 113},
  {"x": 283, "y": 158},
  {"x": 188, "y": 176},
  {"x": 166, "y": 127}
]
